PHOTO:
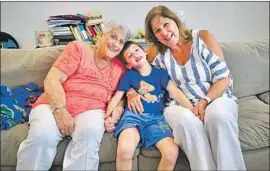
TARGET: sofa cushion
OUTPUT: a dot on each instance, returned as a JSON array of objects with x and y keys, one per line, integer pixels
[
  {"x": 253, "y": 123},
  {"x": 264, "y": 97},
  {"x": 249, "y": 65},
  {"x": 10, "y": 143},
  {"x": 20, "y": 66},
  {"x": 11, "y": 139}
]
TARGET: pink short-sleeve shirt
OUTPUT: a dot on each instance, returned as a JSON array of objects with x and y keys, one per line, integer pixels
[{"x": 86, "y": 87}]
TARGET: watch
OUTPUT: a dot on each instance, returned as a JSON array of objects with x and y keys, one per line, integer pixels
[{"x": 207, "y": 99}]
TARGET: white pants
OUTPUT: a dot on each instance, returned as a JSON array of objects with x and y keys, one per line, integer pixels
[
  {"x": 38, "y": 150},
  {"x": 212, "y": 145}
]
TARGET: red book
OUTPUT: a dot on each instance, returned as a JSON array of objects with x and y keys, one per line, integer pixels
[{"x": 91, "y": 30}]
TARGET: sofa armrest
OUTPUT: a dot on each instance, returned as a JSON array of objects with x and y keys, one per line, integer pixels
[{"x": 264, "y": 97}]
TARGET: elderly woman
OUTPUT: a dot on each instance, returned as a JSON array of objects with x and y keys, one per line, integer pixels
[
  {"x": 208, "y": 134},
  {"x": 78, "y": 88}
]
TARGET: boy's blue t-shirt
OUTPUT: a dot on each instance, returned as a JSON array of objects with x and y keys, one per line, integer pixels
[{"x": 152, "y": 87}]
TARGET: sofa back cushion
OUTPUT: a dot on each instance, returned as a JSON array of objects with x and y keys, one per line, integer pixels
[
  {"x": 249, "y": 65},
  {"x": 248, "y": 62},
  {"x": 19, "y": 66}
]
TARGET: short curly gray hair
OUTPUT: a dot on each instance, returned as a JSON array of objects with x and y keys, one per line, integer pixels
[{"x": 110, "y": 25}]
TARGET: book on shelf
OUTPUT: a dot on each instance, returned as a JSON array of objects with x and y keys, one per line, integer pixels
[
  {"x": 76, "y": 27},
  {"x": 84, "y": 34},
  {"x": 73, "y": 33},
  {"x": 78, "y": 34}
]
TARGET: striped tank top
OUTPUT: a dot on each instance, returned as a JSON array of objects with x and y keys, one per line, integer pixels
[{"x": 198, "y": 74}]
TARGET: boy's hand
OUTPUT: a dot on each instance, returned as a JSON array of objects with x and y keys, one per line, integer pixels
[
  {"x": 108, "y": 112},
  {"x": 109, "y": 124},
  {"x": 117, "y": 113}
]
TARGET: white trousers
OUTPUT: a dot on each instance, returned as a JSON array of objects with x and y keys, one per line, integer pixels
[
  {"x": 38, "y": 150},
  {"x": 212, "y": 145}
]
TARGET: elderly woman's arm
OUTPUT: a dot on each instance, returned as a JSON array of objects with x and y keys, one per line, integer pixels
[{"x": 56, "y": 97}]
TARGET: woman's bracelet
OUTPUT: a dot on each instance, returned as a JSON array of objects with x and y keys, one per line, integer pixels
[{"x": 58, "y": 108}]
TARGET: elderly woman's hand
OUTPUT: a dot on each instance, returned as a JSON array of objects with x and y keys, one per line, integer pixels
[
  {"x": 64, "y": 122},
  {"x": 134, "y": 101},
  {"x": 109, "y": 124}
]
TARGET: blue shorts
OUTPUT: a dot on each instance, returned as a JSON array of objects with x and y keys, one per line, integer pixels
[{"x": 152, "y": 127}]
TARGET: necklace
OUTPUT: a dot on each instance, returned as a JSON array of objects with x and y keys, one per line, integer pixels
[
  {"x": 103, "y": 65},
  {"x": 106, "y": 82}
]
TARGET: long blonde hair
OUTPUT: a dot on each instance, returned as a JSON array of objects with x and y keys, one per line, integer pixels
[{"x": 184, "y": 33}]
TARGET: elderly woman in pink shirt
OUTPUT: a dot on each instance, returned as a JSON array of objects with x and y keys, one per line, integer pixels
[{"x": 78, "y": 88}]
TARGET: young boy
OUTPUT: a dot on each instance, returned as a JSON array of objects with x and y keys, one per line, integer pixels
[{"x": 148, "y": 128}]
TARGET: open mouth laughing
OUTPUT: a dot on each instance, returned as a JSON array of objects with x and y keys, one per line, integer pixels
[{"x": 137, "y": 58}]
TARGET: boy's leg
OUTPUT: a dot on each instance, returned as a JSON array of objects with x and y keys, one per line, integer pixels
[
  {"x": 127, "y": 142},
  {"x": 82, "y": 151},
  {"x": 169, "y": 153},
  {"x": 158, "y": 133}
]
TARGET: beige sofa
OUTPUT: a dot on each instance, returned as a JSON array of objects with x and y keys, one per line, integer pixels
[{"x": 249, "y": 64}]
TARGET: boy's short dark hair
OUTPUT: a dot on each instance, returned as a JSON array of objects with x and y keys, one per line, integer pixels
[{"x": 127, "y": 45}]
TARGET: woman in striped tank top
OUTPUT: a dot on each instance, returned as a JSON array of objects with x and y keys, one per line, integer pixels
[{"x": 208, "y": 134}]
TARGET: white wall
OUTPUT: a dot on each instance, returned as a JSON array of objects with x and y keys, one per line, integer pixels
[{"x": 228, "y": 21}]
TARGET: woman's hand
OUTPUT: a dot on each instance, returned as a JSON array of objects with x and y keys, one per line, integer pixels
[
  {"x": 134, "y": 102},
  {"x": 199, "y": 109},
  {"x": 112, "y": 117},
  {"x": 64, "y": 122},
  {"x": 109, "y": 124}
]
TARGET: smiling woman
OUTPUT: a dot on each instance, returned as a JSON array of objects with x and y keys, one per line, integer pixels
[
  {"x": 194, "y": 62},
  {"x": 78, "y": 88}
]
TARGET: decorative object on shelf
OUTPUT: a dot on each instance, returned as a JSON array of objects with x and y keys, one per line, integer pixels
[
  {"x": 7, "y": 41},
  {"x": 94, "y": 24},
  {"x": 139, "y": 38},
  {"x": 44, "y": 38}
]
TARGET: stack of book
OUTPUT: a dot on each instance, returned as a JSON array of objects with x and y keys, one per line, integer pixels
[{"x": 66, "y": 28}]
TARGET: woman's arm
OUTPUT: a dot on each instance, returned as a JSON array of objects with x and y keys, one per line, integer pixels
[
  {"x": 53, "y": 87},
  {"x": 218, "y": 87},
  {"x": 178, "y": 95},
  {"x": 211, "y": 42},
  {"x": 57, "y": 100}
]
